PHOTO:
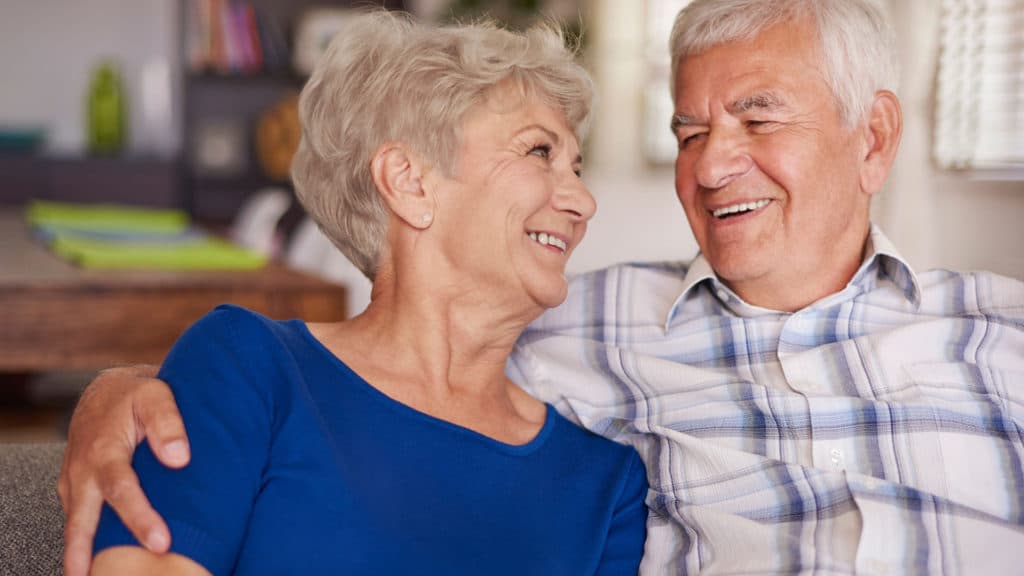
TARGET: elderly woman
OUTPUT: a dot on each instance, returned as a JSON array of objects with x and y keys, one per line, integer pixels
[{"x": 444, "y": 162}]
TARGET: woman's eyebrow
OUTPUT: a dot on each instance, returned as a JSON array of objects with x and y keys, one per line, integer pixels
[{"x": 551, "y": 134}]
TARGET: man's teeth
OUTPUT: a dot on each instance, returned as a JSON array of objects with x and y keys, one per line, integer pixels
[
  {"x": 741, "y": 207},
  {"x": 545, "y": 239}
]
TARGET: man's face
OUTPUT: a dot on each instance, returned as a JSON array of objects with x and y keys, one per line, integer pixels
[{"x": 767, "y": 170}]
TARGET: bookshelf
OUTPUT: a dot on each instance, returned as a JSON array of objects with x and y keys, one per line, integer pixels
[{"x": 237, "y": 64}]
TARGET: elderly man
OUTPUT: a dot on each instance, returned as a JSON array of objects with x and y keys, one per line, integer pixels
[{"x": 804, "y": 401}]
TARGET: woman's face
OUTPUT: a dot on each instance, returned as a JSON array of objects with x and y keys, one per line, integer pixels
[{"x": 516, "y": 208}]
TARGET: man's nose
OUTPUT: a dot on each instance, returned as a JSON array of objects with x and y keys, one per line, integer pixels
[{"x": 724, "y": 158}]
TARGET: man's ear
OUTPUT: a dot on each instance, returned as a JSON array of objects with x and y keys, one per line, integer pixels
[
  {"x": 881, "y": 139},
  {"x": 398, "y": 174}
]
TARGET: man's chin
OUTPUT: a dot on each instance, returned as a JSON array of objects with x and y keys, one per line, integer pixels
[{"x": 739, "y": 265}]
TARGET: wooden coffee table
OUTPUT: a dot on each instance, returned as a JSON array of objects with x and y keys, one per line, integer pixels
[{"x": 54, "y": 316}]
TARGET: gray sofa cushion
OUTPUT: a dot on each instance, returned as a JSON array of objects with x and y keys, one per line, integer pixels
[{"x": 31, "y": 520}]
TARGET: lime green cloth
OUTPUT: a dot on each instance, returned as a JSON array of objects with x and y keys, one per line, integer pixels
[
  {"x": 112, "y": 236},
  {"x": 106, "y": 217},
  {"x": 203, "y": 254}
]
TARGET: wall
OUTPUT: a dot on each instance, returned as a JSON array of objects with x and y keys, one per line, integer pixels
[
  {"x": 940, "y": 218},
  {"x": 48, "y": 48},
  {"x": 638, "y": 216}
]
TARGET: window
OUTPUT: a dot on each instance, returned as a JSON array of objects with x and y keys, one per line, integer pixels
[{"x": 979, "y": 109}]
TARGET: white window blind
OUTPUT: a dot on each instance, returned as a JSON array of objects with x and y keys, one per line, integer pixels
[{"x": 979, "y": 112}]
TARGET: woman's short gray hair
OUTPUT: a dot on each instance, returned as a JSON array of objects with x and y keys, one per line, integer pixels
[
  {"x": 386, "y": 78},
  {"x": 855, "y": 38}
]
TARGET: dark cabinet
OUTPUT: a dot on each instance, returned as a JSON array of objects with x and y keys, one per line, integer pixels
[{"x": 229, "y": 83}]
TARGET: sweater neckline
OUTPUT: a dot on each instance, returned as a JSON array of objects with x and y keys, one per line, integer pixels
[{"x": 550, "y": 415}]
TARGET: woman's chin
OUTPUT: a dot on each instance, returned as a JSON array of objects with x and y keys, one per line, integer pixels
[{"x": 551, "y": 294}]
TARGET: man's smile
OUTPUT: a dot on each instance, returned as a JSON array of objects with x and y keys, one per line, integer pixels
[{"x": 739, "y": 208}]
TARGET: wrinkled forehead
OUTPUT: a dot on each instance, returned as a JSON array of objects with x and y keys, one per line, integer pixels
[
  {"x": 759, "y": 37},
  {"x": 512, "y": 97},
  {"x": 516, "y": 93},
  {"x": 779, "y": 52},
  {"x": 509, "y": 114}
]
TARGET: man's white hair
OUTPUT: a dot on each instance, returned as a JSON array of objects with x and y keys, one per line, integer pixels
[{"x": 855, "y": 40}]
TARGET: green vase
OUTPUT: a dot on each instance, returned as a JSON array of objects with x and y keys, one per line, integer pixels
[{"x": 106, "y": 110}]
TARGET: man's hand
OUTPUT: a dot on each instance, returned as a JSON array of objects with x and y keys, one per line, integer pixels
[{"x": 120, "y": 408}]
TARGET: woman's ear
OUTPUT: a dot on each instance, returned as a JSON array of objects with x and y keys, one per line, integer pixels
[
  {"x": 882, "y": 140},
  {"x": 398, "y": 174}
]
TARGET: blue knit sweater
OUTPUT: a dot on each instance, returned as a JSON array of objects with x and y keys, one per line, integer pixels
[{"x": 299, "y": 466}]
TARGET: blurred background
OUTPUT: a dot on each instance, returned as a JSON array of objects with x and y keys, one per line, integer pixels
[{"x": 188, "y": 106}]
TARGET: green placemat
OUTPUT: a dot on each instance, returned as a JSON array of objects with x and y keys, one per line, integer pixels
[
  {"x": 204, "y": 254},
  {"x": 105, "y": 217}
]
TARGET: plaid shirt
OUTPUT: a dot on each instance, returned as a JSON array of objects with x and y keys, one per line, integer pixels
[{"x": 876, "y": 431}]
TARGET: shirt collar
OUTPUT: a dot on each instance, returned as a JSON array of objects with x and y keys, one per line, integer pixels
[
  {"x": 880, "y": 259},
  {"x": 698, "y": 271}
]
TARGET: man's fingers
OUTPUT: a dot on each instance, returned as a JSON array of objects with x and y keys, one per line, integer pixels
[
  {"x": 62, "y": 485},
  {"x": 120, "y": 488},
  {"x": 160, "y": 422},
  {"x": 79, "y": 529},
  {"x": 104, "y": 431}
]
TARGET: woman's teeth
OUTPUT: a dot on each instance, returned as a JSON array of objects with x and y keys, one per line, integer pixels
[
  {"x": 741, "y": 207},
  {"x": 546, "y": 240}
]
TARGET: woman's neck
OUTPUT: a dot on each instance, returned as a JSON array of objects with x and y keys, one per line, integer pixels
[
  {"x": 442, "y": 350},
  {"x": 437, "y": 341}
]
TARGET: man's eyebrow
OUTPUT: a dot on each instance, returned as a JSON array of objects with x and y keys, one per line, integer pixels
[
  {"x": 680, "y": 120},
  {"x": 760, "y": 101}
]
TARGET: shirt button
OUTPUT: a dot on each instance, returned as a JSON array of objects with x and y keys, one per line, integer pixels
[
  {"x": 836, "y": 456},
  {"x": 871, "y": 483}
]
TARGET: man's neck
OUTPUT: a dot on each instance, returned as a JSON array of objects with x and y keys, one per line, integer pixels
[{"x": 791, "y": 293}]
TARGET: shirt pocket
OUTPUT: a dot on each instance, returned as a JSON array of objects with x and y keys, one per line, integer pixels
[{"x": 977, "y": 413}]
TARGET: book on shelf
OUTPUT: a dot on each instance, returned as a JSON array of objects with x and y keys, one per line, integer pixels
[{"x": 233, "y": 38}]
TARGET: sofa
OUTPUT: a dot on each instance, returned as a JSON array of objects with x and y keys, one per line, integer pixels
[{"x": 31, "y": 519}]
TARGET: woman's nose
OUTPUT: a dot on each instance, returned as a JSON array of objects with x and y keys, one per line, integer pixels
[{"x": 573, "y": 197}]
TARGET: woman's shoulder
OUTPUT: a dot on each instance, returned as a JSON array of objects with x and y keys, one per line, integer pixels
[
  {"x": 591, "y": 446},
  {"x": 231, "y": 317},
  {"x": 232, "y": 343},
  {"x": 232, "y": 327},
  {"x": 598, "y": 464}
]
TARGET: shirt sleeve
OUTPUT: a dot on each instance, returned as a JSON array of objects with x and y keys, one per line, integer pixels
[
  {"x": 221, "y": 372},
  {"x": 628, "y": 529}
]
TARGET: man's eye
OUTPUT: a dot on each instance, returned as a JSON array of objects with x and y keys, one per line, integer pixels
[
  {"x": 759, "y": 124},
  {"x": 542, "y": 150},
  {"x": 689, "y": 140}
]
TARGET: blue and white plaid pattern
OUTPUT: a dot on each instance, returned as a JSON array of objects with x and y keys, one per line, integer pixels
[{"x": 877, "y": 431}]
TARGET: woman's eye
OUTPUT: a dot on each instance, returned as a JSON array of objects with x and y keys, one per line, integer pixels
[{"x": 542, "y": 150}]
